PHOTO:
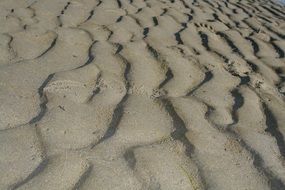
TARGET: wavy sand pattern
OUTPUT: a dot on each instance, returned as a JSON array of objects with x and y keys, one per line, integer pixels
[{"x": 142, "y": 95}]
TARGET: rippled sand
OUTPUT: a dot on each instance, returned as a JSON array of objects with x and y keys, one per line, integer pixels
[{"x": 142, "y": 95}]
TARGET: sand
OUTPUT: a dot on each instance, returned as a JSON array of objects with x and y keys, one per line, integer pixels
[{"x": 142, "y": 95}]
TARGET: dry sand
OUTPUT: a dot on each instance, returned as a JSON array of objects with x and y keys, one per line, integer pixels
[{"x": 142, "y": 95}]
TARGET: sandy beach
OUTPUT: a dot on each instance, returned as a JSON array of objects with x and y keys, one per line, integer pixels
[{"x": 142, "y": 95}]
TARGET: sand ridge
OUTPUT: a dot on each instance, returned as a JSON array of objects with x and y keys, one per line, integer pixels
[{"x": 142, "y": 94}]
